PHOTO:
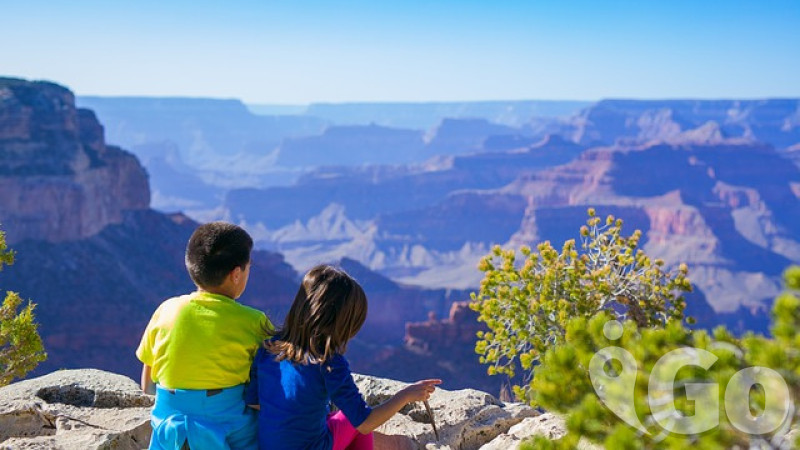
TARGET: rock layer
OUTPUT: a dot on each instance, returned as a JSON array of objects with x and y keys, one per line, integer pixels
[{"x": 59, "y": 181}]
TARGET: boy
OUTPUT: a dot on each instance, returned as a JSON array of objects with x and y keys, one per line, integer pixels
[{"x": 197, "y": 348}]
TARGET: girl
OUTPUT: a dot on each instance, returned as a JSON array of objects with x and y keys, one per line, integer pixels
[{"x": 298, "y": 372}]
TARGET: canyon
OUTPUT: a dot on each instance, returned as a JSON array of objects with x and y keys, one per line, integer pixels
[
  {"x": 97, "y": 260},
  {"x": 407, "y": 205}
]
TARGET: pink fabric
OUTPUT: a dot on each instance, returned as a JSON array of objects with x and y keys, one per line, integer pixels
[{"x": 345, "y": 437}]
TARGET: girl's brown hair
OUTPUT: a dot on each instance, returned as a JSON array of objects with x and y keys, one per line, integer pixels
[{"x": 328, "y": 310}]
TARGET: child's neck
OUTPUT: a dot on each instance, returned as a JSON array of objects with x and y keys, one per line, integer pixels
[{"x": 219, "y": 290}]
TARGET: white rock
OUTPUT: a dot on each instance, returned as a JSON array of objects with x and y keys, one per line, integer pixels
[
  {"x": 75, "y": 409},
  {"x": 549, "y": 425},
  {"x": 91, "y": 409},
  {"x": 466, "y": 419}
]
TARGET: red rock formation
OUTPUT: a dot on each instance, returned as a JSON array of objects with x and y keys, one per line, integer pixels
[
  {"x": 433, "y": 349},
  {"x": 436, "y": 335},
  {"x": 728, "y": 209},
  {"x": 675, "y": 220},
  {"x": 90, "y": 253}
]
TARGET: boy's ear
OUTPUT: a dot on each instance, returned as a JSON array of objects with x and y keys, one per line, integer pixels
[{"x": 236, "y": 274}]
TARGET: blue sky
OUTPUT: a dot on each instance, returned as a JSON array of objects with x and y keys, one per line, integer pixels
[{"x": 294, "y": 52}]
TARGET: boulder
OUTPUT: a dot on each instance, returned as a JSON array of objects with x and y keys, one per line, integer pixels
[
  {"x": 466, "y": 419},
  {"x": 75, "y": 409},
  {"x": 549, "y": 425}
]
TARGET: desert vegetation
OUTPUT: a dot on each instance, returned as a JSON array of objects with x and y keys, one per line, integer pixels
[
  {"x": 596, "y": 332},
  {"x": 20, "y": 345}
]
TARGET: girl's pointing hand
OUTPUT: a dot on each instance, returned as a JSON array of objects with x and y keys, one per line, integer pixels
[{"x": 420, "y": 391}]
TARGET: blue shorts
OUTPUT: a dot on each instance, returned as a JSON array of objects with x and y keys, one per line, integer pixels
[{"x": 213, "y": 419}]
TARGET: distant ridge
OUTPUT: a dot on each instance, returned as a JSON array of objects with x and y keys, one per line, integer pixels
[
  {"x": 424, "y": 115},
  {"x": 773, "y": 121}
]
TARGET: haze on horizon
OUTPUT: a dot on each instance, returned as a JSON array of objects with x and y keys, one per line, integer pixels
[{"x": 407, "y": 51}]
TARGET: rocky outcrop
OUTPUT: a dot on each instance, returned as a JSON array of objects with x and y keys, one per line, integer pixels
[
  {"x": 460, "y": 327},
  {"x": 59, "y": 181},
  {"x": 547, "y": 425},
  {"x": 75, "y": 409},
  {"x": 437, "y": 348},
  {"x": 465, "y": 419},
  {"x": 90, "y": 409}
]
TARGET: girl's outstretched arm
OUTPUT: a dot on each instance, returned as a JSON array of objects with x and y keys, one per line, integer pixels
[{"x": 417, "y": 392}]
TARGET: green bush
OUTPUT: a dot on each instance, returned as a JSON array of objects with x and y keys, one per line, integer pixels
[
  {"x": 741, "y": 369},
  {"x": 21, "y": 347},
  {"x": 527, "y": 307}
]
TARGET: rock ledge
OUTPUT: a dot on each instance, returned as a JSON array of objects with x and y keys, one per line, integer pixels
[{"x": 93, "y": 409}]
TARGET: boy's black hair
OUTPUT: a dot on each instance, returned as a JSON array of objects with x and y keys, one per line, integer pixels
[{"x": 214, "y": 250}]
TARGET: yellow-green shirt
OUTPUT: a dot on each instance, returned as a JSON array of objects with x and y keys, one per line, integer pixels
[{"x": 202, "y": 341}]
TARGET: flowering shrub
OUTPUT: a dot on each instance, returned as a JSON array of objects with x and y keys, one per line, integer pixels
[{"x": 527, "y": 306}]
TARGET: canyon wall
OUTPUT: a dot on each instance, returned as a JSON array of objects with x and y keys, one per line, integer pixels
[{"x": 59, "y": 180}]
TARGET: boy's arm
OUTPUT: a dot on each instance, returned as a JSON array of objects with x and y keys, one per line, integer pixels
[
  {"x": 144, "y": 352},
  {"x": 251, "y": 390},
  {"x": 147, "y": 381}
]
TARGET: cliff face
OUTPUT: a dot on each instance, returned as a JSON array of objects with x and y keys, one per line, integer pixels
[
  {"x": 90, "y": 253},
  {"x": 59, "y": 181},
  {"x": 727, "y": 209}
]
